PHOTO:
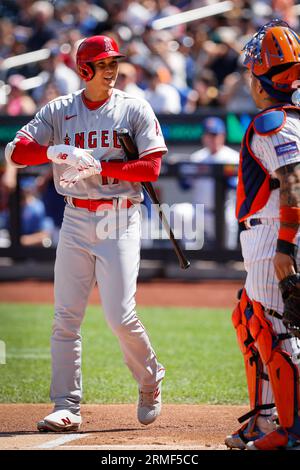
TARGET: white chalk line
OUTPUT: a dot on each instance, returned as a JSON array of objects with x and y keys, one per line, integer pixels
[
  {"x": 29, "y": 356},
  {"x": 28, "y": 353},
  {"x": 141, "y": 447},
  {"x": 60, "y": 441}
]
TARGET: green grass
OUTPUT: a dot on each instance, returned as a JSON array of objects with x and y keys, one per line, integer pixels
[{"x": 197, "y": 346}]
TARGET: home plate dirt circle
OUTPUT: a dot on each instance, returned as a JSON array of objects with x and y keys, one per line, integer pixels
[{"x": 114, "y": 427}]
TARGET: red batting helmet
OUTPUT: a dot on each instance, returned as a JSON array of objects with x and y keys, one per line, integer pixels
[{"x": 93, "y": 49}]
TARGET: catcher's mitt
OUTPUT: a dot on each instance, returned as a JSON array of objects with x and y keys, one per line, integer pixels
[{"x": 290, "y": 290}]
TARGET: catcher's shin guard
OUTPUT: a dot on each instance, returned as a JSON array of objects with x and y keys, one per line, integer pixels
[
  {"x": 283, "y": 374},
  {"x": 252, "y": 360}
]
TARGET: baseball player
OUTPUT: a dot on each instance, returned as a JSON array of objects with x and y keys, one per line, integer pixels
[
  {"x": 77, "y": 132},
  {"x": 268, "y": 205}
]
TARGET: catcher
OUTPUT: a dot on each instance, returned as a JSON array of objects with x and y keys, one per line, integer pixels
[{"x": 266, "y": 318}]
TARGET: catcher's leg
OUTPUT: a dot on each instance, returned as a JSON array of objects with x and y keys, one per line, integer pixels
[
  {"x": 257, "y": 425},
  {"x": 284, "y": 379}
]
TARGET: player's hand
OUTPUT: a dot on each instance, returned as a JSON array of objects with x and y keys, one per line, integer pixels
[
  {"x": 284, "y": 265},
  {"x": 71, "y": 176},
  {"x": 69, "y": 155}
]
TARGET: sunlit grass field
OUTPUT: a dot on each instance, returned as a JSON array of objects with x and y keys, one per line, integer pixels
[{"x": 197, "y": 347}]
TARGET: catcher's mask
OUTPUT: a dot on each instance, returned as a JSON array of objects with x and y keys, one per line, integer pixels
[
  {"x": 273, "y": 56},
  {"x": 92, "y": 49}
]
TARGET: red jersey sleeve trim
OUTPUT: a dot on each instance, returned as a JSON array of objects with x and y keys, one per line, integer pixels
[
  {"x": 25, "y": 135},
  {"x": 153, "y": 150}
]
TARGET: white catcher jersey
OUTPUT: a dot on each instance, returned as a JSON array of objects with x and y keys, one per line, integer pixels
[
  {"x": 67, "y": 120},
  {"x": 259, "y": 242},
  {"x": 271, "y": 152}
]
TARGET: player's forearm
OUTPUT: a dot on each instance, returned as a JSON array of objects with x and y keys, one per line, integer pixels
[
  {"x": 144, "y": 169},
  {"x": 289, "y": 211},
  {"x": 28, "y": 152}
]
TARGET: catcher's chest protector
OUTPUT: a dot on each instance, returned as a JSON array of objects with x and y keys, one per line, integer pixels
[{"x": 253, "y": 190}]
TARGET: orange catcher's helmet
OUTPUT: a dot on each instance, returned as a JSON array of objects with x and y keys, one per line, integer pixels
[
  {"x": 273, "y": 55},
  {"x": 93, "y": 49}
]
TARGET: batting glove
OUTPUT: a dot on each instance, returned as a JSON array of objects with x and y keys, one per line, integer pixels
[
  {"x": 69, "y": 155},
  {"x": 71, "y": 176}
]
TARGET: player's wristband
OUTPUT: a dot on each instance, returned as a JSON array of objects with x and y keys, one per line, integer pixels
[
  {"x": 287, "y": 248},
  {"x": 290, "y": 221},
  {"x": 289, "y": 215},
  {"x": 288, "y": 234}
]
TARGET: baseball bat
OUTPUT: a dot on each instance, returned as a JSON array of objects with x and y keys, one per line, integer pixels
[
  {"x": 132, "y": 154},
  {"x": 192, "y": 15}
]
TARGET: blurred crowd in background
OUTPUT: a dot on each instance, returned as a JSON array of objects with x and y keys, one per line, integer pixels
[
  {"x": 183, "y": 69},
  {"x": 180, "y": 69}
]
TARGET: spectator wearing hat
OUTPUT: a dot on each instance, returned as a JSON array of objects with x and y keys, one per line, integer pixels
[
  {"x": 213, "y": 139},
  {"x": 216, "y": 152}
]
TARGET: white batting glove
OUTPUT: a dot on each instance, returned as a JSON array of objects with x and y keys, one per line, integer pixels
[
  {"x": 71, "y": 176},
  {"x": 73, "y": 156}
]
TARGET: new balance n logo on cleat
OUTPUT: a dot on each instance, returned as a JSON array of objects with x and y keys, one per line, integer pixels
[{"x": 60, "y": 421}]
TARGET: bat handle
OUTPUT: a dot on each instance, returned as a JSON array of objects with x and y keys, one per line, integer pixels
[{"x": 184, "y": 263}]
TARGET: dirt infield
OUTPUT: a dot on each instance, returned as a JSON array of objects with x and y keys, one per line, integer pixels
[
  {"x": 162, "y": 293},
  {"x": 115, "y": 426}
]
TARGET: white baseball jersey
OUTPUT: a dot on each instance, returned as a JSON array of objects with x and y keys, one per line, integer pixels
[
  {"x": 259, "y": 242},
  {"x": 265, "y": 148},
  {"x": 67, "y": 120}
]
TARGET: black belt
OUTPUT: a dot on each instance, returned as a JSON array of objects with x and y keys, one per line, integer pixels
[
  {"x": 247, "y": 224},
  {"x": 253, "y": 222},
  {"x": 250, "y": 223}
]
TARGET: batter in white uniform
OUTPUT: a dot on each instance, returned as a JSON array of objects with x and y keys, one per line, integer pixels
[
  {"x": 268, "y": 205},
  {"x": 77, "y": 133}
]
